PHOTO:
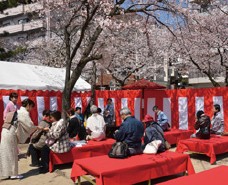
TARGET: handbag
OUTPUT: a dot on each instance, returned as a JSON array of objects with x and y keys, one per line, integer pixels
[
  {"x": 152, "y": 147},
  {"x": 167, "y": 145},
  {"x": 119, "y": 150}
]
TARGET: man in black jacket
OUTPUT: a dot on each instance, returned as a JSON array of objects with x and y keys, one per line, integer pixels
[{"x": 130, "y": 132}]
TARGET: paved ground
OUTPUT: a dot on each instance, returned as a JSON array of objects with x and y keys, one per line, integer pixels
[{"x": 61, "y": 176}]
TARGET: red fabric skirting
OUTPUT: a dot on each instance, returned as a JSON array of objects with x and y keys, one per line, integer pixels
[
  {"x": 209, "y": 177},
  {"x": 175, "y": 135},
  {"x": 91, "y": 149},
  {"x": 211, "y": 147},
  {"x": 133, "y": 169}
]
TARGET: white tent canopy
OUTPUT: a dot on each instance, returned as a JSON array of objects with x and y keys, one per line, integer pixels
[{"x": 33, "y": 77}]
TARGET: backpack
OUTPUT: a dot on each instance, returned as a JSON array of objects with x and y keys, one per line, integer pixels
[
  {"x": 119, "y": 150},
  {"x": 166, "y": 145}
]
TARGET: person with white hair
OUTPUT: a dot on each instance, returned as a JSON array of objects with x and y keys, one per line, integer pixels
[
  {"x": 130, "y": 131},
  {"x": 95, "y": 126}
]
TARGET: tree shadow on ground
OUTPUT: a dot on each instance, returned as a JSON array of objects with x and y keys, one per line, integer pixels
[
  {"x": 204, "y": 157},
  {"x": 62, "y": 166},
  {"x": 161, "y": 179}
]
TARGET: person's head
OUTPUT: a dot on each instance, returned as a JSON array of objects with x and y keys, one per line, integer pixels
[
  {"x": 99, "y": 110},
  {"x": 13, "y": 97},
  {"x": 46, "y": 115},
  {"x": 55, "y": 116},
  {"x": 148, "y": 118},
  {"x": 125, "y": 112},
  {"x": 155, "y": 109},
  {"x": 78, "y": 110},
  {"x": 109, "y": 101},
  {"x": 199, "y": 114},
  {"x": 93, "y": 109},
  {"x": 70, "y": 112},
  {"x": 217, "y": 108},
  {"x": 28, "y": 104}
]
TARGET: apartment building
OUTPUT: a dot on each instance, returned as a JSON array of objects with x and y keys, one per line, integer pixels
[{"x": 22, "y": 22}]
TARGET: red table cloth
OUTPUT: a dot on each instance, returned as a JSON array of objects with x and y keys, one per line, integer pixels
[
  {"x": 175, "y": 135},
  {"x": 138, "y": 168},
  {"x": 91, "y": 149},
  {"x": 211, "y": 147},
  {"x": 215, "y": 176}
]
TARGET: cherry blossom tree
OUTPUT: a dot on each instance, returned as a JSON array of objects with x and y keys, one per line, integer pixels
[
  {"x": 81, "y": 25},
  {"x": 137, "y": 51},
  {"x": 202, "y": 42}
]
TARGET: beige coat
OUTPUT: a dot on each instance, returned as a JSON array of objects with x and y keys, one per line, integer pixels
[{"x": 25, "y": 125}]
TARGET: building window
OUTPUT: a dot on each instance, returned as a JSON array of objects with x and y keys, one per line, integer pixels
[
  {"x": 21, "y": 38},
  {"x": 22, "y": 21},
  {"x": 6, "y": 24}
]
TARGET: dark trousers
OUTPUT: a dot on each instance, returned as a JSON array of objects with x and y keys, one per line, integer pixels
[
  {"x": 35, "y": 155},
  {"x": 45, "y": 157}
]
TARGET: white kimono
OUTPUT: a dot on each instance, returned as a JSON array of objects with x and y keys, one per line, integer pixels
[{"x": 9, "y": 141}]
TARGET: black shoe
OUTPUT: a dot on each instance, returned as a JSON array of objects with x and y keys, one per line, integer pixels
[{"x": 43, "y": 170}]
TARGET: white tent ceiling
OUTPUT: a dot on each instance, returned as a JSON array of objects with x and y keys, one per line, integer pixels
[{"x": 33, "y": 77}]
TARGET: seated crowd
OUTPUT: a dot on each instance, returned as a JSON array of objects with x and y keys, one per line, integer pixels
[
  {"x": 54, "y": 134},
  {"x": 131, "y": 131}
]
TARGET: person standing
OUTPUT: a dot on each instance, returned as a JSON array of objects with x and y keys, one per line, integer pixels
[
  {"x": 12, "y": 105},
  {"x": 217, "y": 121},
  {"x": 130, "y": 131},
  {"x": 162, "y": 119},
  {"x": 17, "y": 131},
  {"x": 78, "y": 114},
  {"x": 109, "y": 112}
]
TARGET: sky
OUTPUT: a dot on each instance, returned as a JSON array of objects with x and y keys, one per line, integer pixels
[{"x": 163, "y": 16}]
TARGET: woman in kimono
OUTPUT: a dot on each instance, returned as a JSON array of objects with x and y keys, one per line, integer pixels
[
  {"x": 15, "y": 131},
  {"x": 12, "y": 105}
]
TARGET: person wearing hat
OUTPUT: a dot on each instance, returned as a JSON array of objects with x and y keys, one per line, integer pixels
[{"x": 153, "y": 132}]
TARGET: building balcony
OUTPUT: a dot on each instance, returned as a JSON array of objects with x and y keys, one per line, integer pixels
[
  {"x": 21, "y": 9},
  {"x": 24, "y": 27}
]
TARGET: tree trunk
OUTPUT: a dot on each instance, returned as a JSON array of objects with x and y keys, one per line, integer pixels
[
  {"x": 226, "y": 77},
  {"x": 71, "y": 79},
  {"x": 93, "y": 81},
  {"x": 214, "y": 83},
  {"x": 66, "y": 101}
]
